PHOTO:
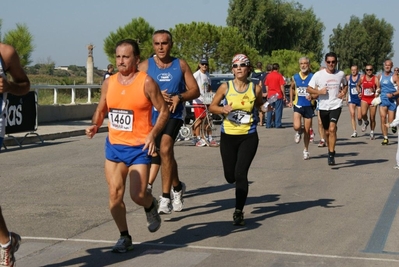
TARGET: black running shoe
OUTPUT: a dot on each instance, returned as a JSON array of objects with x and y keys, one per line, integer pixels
[
  {"x": 394, "y": 129},
  {"x": 238, "y": 218},
  {"x": 331, "y": 158}
]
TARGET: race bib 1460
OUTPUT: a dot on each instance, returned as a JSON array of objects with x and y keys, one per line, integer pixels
[{"x": 121, "y": 119}]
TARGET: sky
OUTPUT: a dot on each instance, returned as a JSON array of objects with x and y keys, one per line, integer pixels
[{"x": 63, "y": 29}]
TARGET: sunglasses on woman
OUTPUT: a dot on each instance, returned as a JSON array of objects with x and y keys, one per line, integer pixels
[{"x": 242, "y": 65}]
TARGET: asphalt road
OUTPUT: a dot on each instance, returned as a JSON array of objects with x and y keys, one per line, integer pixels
[{"x": 298, "y": 213}]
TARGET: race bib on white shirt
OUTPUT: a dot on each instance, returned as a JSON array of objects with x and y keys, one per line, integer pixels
[
  {"x": 121, "y": 119},
  {"x": 239, "y": 117}
]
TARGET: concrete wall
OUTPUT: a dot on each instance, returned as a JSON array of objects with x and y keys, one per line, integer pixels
[{"x": 54, "y": 113}]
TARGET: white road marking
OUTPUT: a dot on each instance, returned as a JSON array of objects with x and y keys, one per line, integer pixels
[{"x": 290, "y": 253}]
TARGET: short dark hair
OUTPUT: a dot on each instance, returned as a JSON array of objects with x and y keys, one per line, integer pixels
[
  {"x": 331, "y": 54},
  {"x": 110, "y": 66},
  {"x": 133, "y": 43},
  {"x": 275, "y": 66},
  {"x": 269, "y": 67},
  {"x": 164, "y": 32},
  {"x": 259, "y": 65}
]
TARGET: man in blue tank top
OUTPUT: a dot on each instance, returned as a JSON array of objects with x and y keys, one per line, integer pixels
[
  {"x": 388, "y": 95},
  {"x": 300, "y": 101},
  {"x": 354, "y": 100},
  {"x": 20, "y": 85},
  {"x": 177, "y": 84}
]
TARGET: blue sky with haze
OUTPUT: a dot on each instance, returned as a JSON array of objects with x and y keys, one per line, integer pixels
[{"x": 63, "y": 29}]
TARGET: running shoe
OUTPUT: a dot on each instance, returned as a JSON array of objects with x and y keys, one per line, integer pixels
[
  {"x": 354, "y": 134},
  {"x": 149, "y": 188},
  {"x": 213, "y": 143},
  {"x": 331, "y": 158},
  {"x": 297, "y": 138},
  {"x": 123, "y": 245},
  {"x": 306, "y": 155},
  {"x": 200, "y": 143},
  {"x": 394, "y": 129},
  {"x": 177, "y": 198},
  {"x": 359, "y": 122},
  {"x": 372, "y": 137},
  {"x": 194, "y": 140},
  {"x": 153, "y": 219},
  {"x": 238, "y": 218},
  {"x": 312, "y": 135},
  {"x": 164, "y": 205},
  {"x": 385, "y": 142},
  {"x": 366, "y": 123},
  {"x": 396, "y": 167},
  {"x": 322, "y": 143},
  {"x": 7, "y": 257}
]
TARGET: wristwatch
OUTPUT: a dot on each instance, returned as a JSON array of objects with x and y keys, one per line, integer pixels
[{"x": 180, "y": 97}]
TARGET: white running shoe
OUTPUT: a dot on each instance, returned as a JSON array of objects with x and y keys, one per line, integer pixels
[
  {"x": 311, "y": 135},
  {"x": 164, "y": 205},
  {"x": 372, "y": 137},
  {"x": 396, "y": 167},
  {"x": 177, "y": 198},
  {"x": 297, "y": 138},
  {"x": 201, "y": 143},
  {"x": 306, "y": 155},
  {"x": 354, "y": 134}
]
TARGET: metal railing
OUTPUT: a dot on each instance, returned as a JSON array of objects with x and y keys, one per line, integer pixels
[{"x": 73, "y": 89}]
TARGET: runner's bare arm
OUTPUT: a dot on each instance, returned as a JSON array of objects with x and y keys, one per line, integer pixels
[
  {"x": 153, "y": 93},
  {"x": 100, "y": 112},
  {"x": 20, "y": 84}
]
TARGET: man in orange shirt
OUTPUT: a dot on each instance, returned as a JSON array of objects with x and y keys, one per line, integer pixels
[{"x": 128, "y": 98}]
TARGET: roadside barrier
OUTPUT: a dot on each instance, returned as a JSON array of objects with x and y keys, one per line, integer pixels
[{"x": 21, "y": 112}]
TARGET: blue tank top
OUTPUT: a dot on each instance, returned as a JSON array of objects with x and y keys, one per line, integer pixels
[
  {"x": 387, "y": 85},
  {"x": 170, "y": 79},
  {"x": 353, "y": 94},
  {"x": 301, "y": 84}
]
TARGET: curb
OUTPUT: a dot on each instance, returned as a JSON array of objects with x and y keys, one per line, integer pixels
[{"x": 33, "y": 137}]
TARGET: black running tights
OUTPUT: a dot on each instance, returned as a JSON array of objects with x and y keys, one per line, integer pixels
[{"x": 237, "y": 153}]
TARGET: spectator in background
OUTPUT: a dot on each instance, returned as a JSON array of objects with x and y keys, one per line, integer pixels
[
  {"x": 275, "y": 85},
  {"x": 258, "y": 77},
  {"x": 204, "y": 85},
  {"x": 110, "y": 71}
]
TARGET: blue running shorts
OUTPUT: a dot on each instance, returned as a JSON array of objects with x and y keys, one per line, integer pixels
[{"x": 127, "y": 154}]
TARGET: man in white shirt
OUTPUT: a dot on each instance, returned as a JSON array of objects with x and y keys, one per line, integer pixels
[{"x": 330, "y": 86}]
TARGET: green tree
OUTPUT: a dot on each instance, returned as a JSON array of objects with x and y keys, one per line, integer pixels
[
  {"x": 138, "y": 29},
  {"x": 21, "y": 39},
  {"x": 197, "y": 39},
  {"x": 362, "y": 41},
  {"x": 289, "y": 61},
  {"x": 270, "y": 25}
]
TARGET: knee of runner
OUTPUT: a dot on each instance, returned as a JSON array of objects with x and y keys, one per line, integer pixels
[{"x": 139, "y": 198}]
